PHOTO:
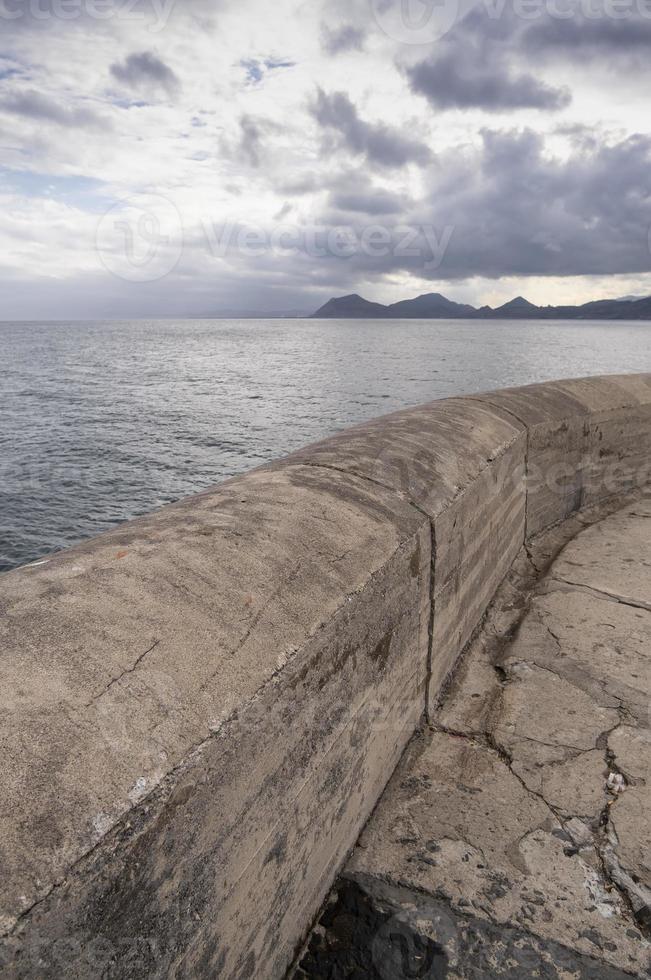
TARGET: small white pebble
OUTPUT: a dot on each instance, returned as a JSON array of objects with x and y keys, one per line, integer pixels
[
  {"x": 616, "y": 783},
  {"x": 139, "y": 789}
]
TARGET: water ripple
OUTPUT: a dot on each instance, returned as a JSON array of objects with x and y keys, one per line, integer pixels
[{"x": 105, "y": 421}]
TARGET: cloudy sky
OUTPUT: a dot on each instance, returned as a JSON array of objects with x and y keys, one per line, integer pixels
[{"x": 237, "y": 156}]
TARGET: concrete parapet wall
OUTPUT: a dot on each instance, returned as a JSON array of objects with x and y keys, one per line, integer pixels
[{"x": 201, "y": 708}]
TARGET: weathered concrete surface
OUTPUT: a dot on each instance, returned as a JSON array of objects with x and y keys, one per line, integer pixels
[
  {"x": 587, "y": 440},
  {"x": 203, "y": 714},
  {"x": 462, "y": 463},
  {"x": 200, "y": 709},
  {"x": 493, "y": 469},
  {"x": 514, "y": 838},
  {"x": 476, "y": 540}
]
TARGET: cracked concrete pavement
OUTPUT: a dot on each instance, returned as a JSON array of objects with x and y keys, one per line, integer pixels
[{"x": 514, "y": 840}]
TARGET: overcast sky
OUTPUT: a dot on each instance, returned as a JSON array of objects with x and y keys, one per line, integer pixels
[{"x": 201, "y": 156}]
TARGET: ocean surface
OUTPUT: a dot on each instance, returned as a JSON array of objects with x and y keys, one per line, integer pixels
[{"x": 105, "y": 421}]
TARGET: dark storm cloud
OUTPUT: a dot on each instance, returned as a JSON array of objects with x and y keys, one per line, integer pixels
[
  {"x": 516, "y": 211},
  {"x": 381, "y": 144},
  {"x": 455, "y": 82},
  {"x": 585, "y": 37},
  {"x": 34, "y": 105},
  {"x": 494, "y": 32},
  {"x": 509, "y": 209},
  {"x": 485, "y": 61},
  {"x": 504, "y": 209},
  {"x": 341, "y": 39},
  {"x": 353, "y": 192},
  {"x": 145, "y": 70},
  {"x": 475, "y": 67}
]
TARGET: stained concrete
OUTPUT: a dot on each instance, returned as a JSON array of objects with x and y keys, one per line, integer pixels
[
  {"x": 204, "y": 701},
  {"x": 463, "y": 464},
  {"x": 375, "y": 930},
  {"x": 201, "y": 708},
  {"x": 587, "y": 440},
  {"x": 514, "y": 838}
]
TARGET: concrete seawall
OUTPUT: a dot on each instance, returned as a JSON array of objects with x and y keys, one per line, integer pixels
[{"x": 201, "y": 708}]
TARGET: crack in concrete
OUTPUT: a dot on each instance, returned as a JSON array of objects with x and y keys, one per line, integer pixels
[
  {"x": 556, "y": 638},
  {"x": 526, "y": 432},
  {"x": 432, "y": 612},
  {"x": 602, "y": 842},
  {"x": 537, "y": 569},
  {"x": 556, "y": 745},
  {"x": 583, "y": 837},
  {"x": 563, "y": 676},
  {"x": 128, "y": 670},
  {"x": 611, "y": 871},
  {"x": 604, "y": 594},
  {"x": 408, "y": 499},
  {"x": 635, "y": 897},
  {"x": 488, "y": 741},
  {"x": 128, "y": 823}
]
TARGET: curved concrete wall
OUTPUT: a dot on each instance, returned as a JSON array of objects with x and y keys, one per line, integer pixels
[{"x": 201, "y": 708}]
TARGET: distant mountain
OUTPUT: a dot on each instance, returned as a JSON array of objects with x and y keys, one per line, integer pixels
[
  {"x": 609, "y": 309},
  {"x": 426, "y": 307},
  {"x": 518, "y": 308},
  {"x": 434, "y": 306},
  {"x": 430, "y": 306},
  {"x": 344, "y": 307}
]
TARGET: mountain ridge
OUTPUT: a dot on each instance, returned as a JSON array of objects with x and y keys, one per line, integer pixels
[{"x": 435, "y": 306}]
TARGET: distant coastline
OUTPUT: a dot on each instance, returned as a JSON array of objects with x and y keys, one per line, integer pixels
[{"x": 434, "y": 306}]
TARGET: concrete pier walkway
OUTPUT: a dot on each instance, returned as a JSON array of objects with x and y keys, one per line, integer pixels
[
  {"x": 201, "y": 710},
  {"x": 514, "y": 840}
]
